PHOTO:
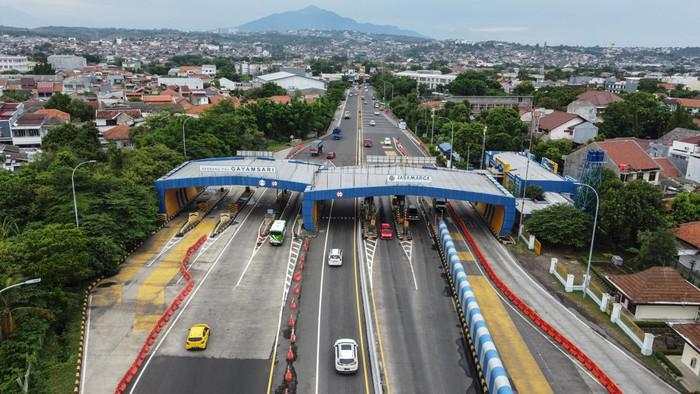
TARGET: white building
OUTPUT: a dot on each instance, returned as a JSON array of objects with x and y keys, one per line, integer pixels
[
  {"x": 291, "y": 82},
  {"x": 209, "y": 69},
  {"x": 18, "y": 63},
  {"x": 681, "y": 151},
  {"x": 253, "y": 69},
  {"x": 431, "y": 78},
  {"x": 690, "y": 332},
  {"x": 692, "y": 173},
  {"x": 66, "y": 62},
  {"x": 227, "y": 84},
  {"x": 192, "y": 83}
]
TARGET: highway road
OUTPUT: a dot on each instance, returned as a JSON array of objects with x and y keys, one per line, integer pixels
[
  {"x": 331, "y": 305},
  {"x": 238, "y": 288}
]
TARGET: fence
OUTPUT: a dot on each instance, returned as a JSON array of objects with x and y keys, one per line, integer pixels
[{"x": 618, "y": 315}]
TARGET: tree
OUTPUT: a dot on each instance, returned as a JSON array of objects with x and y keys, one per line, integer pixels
[
  {"x": 629, "y": 210},
  {"x": 681, "y": 117},
  {"x": 505, "y": 129},
  {"x": 685, "y": 208},
  {"x": 648, "y": 85},
  {"x": 78, "y": 109},
  {"x": 523, "y": 75},
  {"x": 534, "y": 192},
  {"x": 553, "y": 150},
  {"x": 556, "y": 74},
  {"x": 556, "y": 97},
  {"x": 639, "y": 115},
  {"x": 15, "y": 96},
  {"x": 525, "y": 88},
  {"x": 656, "y": 248},
  {"x": 475, "y": 83},
  {"x": 560, "y": 225},
  {"x": 81, "y": 139},
  {"x": 42, "y": 69}
]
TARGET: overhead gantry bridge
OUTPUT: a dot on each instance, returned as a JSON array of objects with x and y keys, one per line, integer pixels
[{"x": 318, "y": 183}]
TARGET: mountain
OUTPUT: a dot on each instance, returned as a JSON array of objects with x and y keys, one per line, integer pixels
[{"x": 316, "y": 18}]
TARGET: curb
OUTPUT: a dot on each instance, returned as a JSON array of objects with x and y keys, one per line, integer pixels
[{"x": 83, "y": 330}]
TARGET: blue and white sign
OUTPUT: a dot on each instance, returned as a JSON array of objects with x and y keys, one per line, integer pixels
[
  {"x": 409, "y": 179},
  {"x": 239, "y": 168}
]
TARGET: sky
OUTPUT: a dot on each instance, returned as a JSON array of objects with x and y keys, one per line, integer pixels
[{"x": 591, "y": 22}]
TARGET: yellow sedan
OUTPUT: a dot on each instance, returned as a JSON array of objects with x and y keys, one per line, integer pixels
[{"x": 197, "y": 337}]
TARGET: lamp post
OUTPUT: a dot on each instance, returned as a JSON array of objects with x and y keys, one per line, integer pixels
[
  {"x": 184, "y": 149},
  {"x": 483, "y": 148},
  {"x": 392, "y": 91},
  {"x": 452, "y": 139},
  {"x": 72, "y": 182},
  {"x": 432, "y": 130},
  {"x": 26, "y": 282},
  {"x": 587, "y": 280}
]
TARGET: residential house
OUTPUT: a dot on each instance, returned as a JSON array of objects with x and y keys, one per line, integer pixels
[
  {"x": 17, "y": 63},
  {"x": 77, "y": 84},
  {"x": 199, "y": 97},
  {"x": 562, "y": 125},
  {"x": 661, "y": 146},
  {"x": 657, "y": 293},
  {"x": 681, "y": 150},
  {"x": 66, "y": 62},
  {"x": 108, "y": 118},
  {"x": 284, "y": 100},
  {"x": 108, "y": 99},
  {"x": 120, "y": 135},
  {"x": 668, "y": 170},
  {"x": 12, "y": 157},
  {"x": 690, "y": 104},
  {"x": 692, "y": 173},
  {"x": 48, "y": 89},
  {"x": 190, "y": 82},
  {"x": 61, "y": 116},
  {"x": 690, "y": 332},
  {"x": 291, "y": 82},
  {"x": 9, "y": 112},
  {"x": 591, "y": 104},
  {"x": 30, "y": 128},
  {"x": 688, "y": 236},
  {"x": 624, "y": 156}
]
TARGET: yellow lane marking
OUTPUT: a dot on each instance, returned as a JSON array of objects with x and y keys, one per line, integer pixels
[
  {"x": 465, "y": 256},
  {"x": 517, "y": 358},
  {"x": 150, "y": 297}
]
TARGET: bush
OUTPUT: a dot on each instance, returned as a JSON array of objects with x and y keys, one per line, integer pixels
[{"x": 560, "y": 225}]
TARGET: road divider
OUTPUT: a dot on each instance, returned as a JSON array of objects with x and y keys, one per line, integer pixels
[
  {"x": 493, "y": 374},
  {"x": 164, "y": 318},
  {"x": 533, "y": 316}
]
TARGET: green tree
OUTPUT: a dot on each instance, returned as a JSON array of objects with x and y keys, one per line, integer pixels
[
  {"x": 15, "y": 96},
  {"x": 42, "y": 69},
  {"x": 475, "y": 83},
  {"x": 560, "y": 225},
  {"x": 78, "y": 109},
  {"x": 553, "y": 150},
  {"x": 556, "y": 97},
  {"x": 638, "y": 115},
  {"x": 505, "y": 129},
  {"x": 524, "y": 89},
  {"x": 628, "y": 210},
  {"x": 81, "y": 139},
  {"x": 648, "y": 85},
  {"x": 685, "y": 208},
  {"x": 534, "y": 192},
  {"x": 656, "y": 248}
]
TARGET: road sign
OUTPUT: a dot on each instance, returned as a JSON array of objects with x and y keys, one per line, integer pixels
[
  {"x": 339, "y": 194},
  {"x": 261, "y": 182},
  {"x": 239, "y": 168},
  {"x": 274, "y": 183}
]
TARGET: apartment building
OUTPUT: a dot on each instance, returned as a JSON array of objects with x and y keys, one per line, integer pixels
[
  {"x": 18, "y": 63},
  {"x": 429, "y": 78},
  {"x": 66, "y": 62}
]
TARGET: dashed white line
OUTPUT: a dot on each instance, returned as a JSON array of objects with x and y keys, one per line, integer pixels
[{"x": 320, "y": 297}]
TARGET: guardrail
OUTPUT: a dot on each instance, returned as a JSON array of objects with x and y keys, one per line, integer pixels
[
  {"x": 530, "y": 313},
  {"x": 494, "y": 374},
  {"x": 163, "y": 320}
]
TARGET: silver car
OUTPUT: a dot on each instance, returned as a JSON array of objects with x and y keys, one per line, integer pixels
[{"x": 346, "y": 360}]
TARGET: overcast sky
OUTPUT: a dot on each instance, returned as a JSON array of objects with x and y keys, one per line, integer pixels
[{"x": 591, "y": 22}]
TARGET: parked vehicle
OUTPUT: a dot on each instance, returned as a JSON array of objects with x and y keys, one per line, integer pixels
[
  {"x": 412, "y": 213},
  {"x": 330, "y": 155},
  {"x": 347, "y": 114},
  {"x": 372, "y": 123},
  {"x": 367, "y": 143},
  {"x": 337, "y": 133}
]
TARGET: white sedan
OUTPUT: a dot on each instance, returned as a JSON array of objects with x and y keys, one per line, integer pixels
[
  {"x": 372, "y": 123},
  {"x": 346, "y": 360},
  {"x": 376, "y": 113},
  {"x": 335, "y": 257},
  {"x": 387, "y": 141}
]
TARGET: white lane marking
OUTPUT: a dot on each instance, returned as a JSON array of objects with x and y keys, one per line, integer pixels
[
  {"x": 174, "y": 240},
  {"x": 370, "y": 248},
  {"x": 320, "y": 296},
  {"x": 562, "y": 307},
  {"x": 409, "y": 253},
  {"x": 83, "y": 371},
  {"x": 191, "y": 297}
]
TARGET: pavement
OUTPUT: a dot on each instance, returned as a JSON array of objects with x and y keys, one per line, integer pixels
[{"x": 631, "y": 376}]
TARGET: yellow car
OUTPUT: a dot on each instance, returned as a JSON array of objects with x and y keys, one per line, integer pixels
[{"x": 197, "y": 337}]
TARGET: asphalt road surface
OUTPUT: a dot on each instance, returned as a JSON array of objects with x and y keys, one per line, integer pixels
[{"x": 238, "y": 288}]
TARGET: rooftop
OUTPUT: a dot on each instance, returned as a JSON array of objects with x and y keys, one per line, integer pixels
[
  {"x": 690, "y": 332},
  {"x": 599, "y": 98},
  {"x": 556, "y": 119},
  {"x": 656, "y": 285},
  {"x": 689, "y": 233},
  {"x": 117, "y": 133},
  {"x": 518, "y": 164},
  {"x": 627, "y": 152}
]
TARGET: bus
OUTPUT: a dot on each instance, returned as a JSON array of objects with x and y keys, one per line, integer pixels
[{"x": 277, "y": 232}]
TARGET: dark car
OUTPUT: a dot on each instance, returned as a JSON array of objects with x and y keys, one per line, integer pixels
[{"x": 330, "y": 155}]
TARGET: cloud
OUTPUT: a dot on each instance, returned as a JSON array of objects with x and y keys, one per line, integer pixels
[{"x": 498, "y": 29}]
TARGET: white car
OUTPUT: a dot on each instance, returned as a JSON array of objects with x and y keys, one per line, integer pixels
[
  {"x": 335, "y": 257},
  {"x": 376, "y": 113},
  {"x": 372, "y": 123},
  {"x": 387, "y": 141},
  {"x": 346, "y": 360}
]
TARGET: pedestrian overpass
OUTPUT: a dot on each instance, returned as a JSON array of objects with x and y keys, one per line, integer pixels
[{"x": 318, "y": 182}]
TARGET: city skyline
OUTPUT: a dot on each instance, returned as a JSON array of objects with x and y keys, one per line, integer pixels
[{"x": 622, "y": 23}]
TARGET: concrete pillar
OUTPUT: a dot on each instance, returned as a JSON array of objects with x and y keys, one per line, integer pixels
[
  {"x": 648, "y": 345},
  {"x": 553, "y": 265},
  {"x": 569, "y": 286},
  {"x": 604, "y": 299},
  {"x": 531, "y": 242},
  {"x": 615, "y": 315}
]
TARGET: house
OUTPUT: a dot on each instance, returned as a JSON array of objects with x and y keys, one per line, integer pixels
[
  {"x": 199, "y": 97},
  {"x": 120, "y": 135},
  {"x": 291, "y": 82},
  {"x": 688, "y": 236},
  {"x": 109, "y": 99},
  {"x": 54, "y": 113},
  {"x": 190, "y": 82},
  {"x": 668, "y": 170},
  {"x": 284, "y": 100},
  {"x": 107, "y": 118},
  {"x": 624, "y": 156},
  {"x": 160, "y": 99},
  {"x": 662, "y": 145},
  {"x": 591, "y": 104},
  {"x": 657, "y": 293},
  {"x": 681, "y": 150},
  {"x": 692, "y": 105},
  {"x": 12, "y": 157},
  {"x": 66, "y": 62},
  {"x": 692, "y": 173},
  {"x": 9, "y": 112},
  {"x": 690, "y": 333},
  {"x": 30, "y": 128},
  {"x": 562, "y": 125}
]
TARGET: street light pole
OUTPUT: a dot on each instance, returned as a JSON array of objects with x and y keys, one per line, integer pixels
[
  {"x": 483, "y": 148},
  {"x": 587, "y": 279},
  {"x": 432, "y": 130},
  {"x": 26, "y": 282},
  {"x": 184, "y": 149},
  {"x": 72, "y": 182},
  {"x": 452, "y": 138}
]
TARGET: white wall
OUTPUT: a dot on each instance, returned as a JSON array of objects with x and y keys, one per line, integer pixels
[
  {"x": 688, "y": 355},
  {"x": 666, "y": 312},
  {"x": 296, "y": 82},
  {"x": 693, "y": 171},
  {"x": 559, "y": 133},
  {"x": 583, "y": 109},
  {"x": 192, "y": 83}
]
